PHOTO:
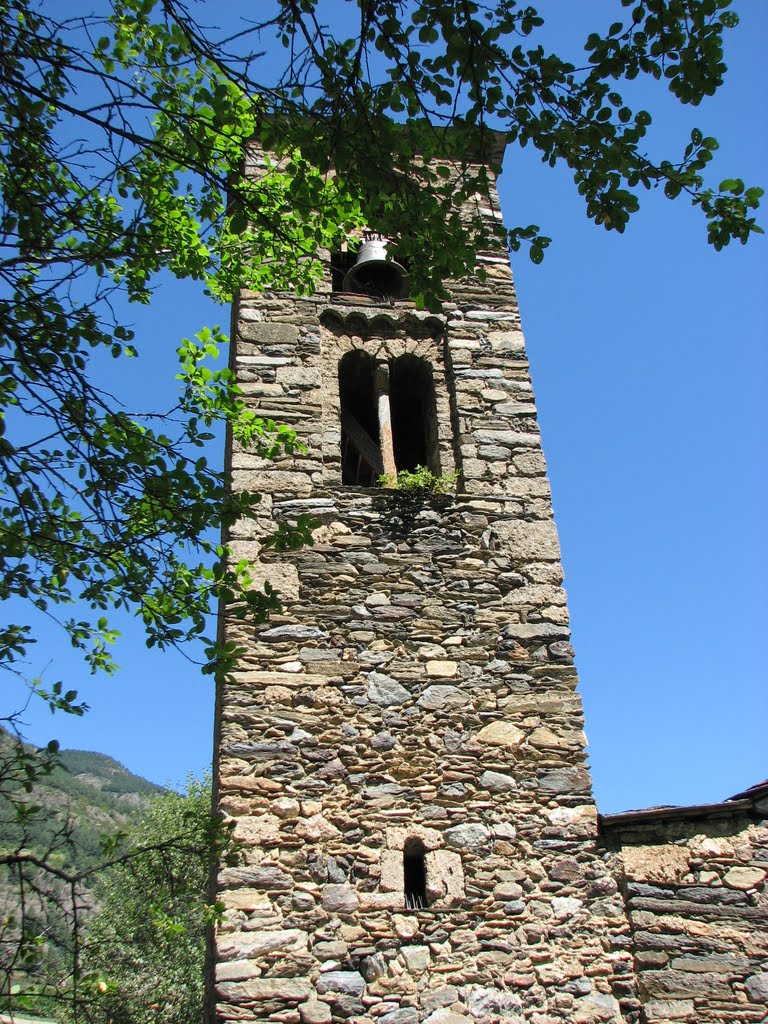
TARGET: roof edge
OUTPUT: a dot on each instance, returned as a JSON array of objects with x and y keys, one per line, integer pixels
[{"x": 739, "y": 804}]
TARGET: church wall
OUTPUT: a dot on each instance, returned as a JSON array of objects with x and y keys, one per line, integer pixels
[{"x": 697, "y": 902}]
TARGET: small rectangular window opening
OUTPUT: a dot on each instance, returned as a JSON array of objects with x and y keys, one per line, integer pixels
[{"x": 415, "y": 875}]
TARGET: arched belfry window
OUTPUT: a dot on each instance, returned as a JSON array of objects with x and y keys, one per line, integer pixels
[
  {"x": 415, "y": 874},
  {"x": 414, "y": 416},
  {"x": 361, "y": 461},
  {"x": 388, "y": 417}
]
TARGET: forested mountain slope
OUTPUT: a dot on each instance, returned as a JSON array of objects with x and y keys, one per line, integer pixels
[{"x": 89, "y": 796}]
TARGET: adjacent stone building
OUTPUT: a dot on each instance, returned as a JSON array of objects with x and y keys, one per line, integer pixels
[
  {"x": 693, "y": 879},
  {"x": 401, "y": 748}
]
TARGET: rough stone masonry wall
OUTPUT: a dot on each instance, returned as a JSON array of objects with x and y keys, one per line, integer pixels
[
  {"x": 419, "y": 684},
  {"x": 698, "y": 905}
]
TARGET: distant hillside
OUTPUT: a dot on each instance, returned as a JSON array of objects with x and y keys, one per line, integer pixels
[
  {"x": 107, "y": 775},
  {"x": 90, "y": 796},
  {"x": 63, "y": 821}
]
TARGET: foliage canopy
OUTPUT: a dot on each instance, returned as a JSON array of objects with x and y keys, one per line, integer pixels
[{"x": 120, "y": 160}]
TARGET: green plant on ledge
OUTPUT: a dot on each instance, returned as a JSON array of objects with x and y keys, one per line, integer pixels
[{"x": 421, "y": 480}]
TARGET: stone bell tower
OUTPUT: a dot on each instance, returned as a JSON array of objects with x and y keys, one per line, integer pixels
[{"x": 401, "y": 748}]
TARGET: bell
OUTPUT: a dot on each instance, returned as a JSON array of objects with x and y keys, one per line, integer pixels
[{"x": 373, "y": 273}]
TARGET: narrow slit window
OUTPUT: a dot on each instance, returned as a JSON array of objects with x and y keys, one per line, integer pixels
[{"x": 415, "y": 875}]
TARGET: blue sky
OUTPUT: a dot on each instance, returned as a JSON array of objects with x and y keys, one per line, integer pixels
[{"x": 650, "y": 367}]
